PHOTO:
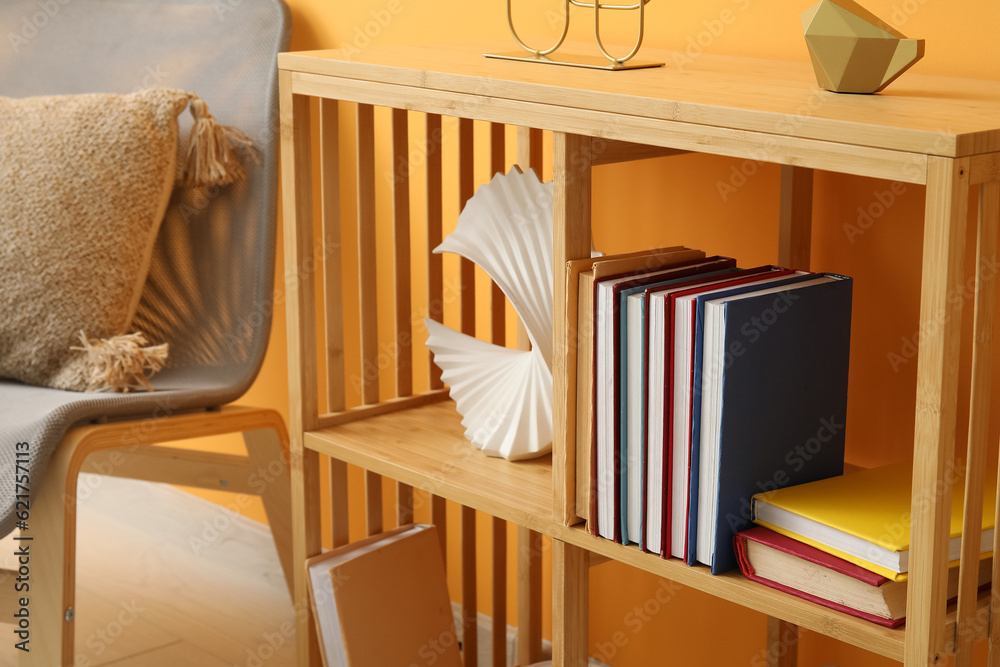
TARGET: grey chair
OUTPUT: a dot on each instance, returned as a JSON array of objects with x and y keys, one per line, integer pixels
[{"x": 209, "y": 292}]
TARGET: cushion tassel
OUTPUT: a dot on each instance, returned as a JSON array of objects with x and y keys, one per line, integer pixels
[
  {"x": 120, "y": 363},
  {"x": 210, "y": 159}
]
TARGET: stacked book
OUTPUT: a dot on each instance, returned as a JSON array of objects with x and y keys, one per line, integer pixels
[
  {"x": 844, "y": 542},
  {"x": 700, "y": 384}
]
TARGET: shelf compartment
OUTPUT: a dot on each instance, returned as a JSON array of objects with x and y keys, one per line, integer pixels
[
  {"x": 735, "y": 588},
  {"x": 426, "y": 448}
]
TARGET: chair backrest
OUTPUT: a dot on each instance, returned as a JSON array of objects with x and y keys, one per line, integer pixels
[{"x": 209, "y": 290}]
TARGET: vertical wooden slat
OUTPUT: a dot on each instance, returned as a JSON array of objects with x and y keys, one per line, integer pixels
[
  {"x": 795, "y": 218},
  {"x": 499, "y": 592},
  {"x": 401, "y": 227},
  {"x": 466, "y": 188},
  {"x": 529, "y": 596},
  {"x": 435, "y": 274},
  {"x": 439, "y": 517},
  {"x": 570, "y": 601},
  {"x": 498, "y": 304},
  {"x": 470, "y": 643},
  {"x": 571, "y": 235},
  {"x": 498, "y": 149},
  {"x": 936, "y": 408},
  {"x": 404, "y": 504},
  {"x": 794, "y": 241},
  {"x": 373, "y": 502},
  {"x": 333, "y": 293},
  {"x": 296, "y": 171},
  {"x": 782, "y": 643},
  {"x": 339, "y": 515},
  {"x": 367, "y": 270},
  {"x": 529, "y": 156},
  {"x": 979, "y": 424},
  {"x": 529, "y": 149},
  {"x": 401, "y": 239}
]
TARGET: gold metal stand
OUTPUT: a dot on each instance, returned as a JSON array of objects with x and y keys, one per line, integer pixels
[{"x": 605, "y": 61}]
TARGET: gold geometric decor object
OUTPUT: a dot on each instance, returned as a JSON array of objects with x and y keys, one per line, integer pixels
[
  {"x": 605, "y": 60},
  {"x": 854, "y": 51}
]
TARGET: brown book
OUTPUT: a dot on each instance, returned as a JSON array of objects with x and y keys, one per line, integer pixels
[
  {"x": 580, "y": 276},
  {"x": 384, "y": 601}
]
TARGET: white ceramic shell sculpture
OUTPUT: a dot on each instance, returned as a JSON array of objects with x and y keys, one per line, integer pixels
[{"x": 505, "y": 395}]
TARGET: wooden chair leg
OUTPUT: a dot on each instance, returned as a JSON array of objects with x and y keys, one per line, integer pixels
[
  {"x": 268, "y": 452},
  {"x": 51, "y": 542},
  {"x": 52, "y": 522}
]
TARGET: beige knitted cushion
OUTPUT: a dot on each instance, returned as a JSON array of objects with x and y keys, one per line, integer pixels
[{"x": 84, "y": 184}]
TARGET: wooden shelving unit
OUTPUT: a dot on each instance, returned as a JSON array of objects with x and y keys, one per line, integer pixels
[{"x": 939, "y": 132}]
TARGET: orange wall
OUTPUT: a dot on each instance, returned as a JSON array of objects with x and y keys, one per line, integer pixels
[{"x": 636, "y": 619}]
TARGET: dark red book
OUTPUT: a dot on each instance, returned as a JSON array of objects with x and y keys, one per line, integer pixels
[{"x": 796, "y": 568}]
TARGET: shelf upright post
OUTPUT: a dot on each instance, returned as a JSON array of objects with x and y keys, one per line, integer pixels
[
  {"x": 300, "y": 290},
  {"x": 782, "y": 642},
  {"x": 570, "y": 601},
  {"x": 936, "y": 408},
  {"x": 795, "y": 219},
  {"x": 571, "y": 171},
  {"x": 794, "y": 241},
  {"x": 571, "y": 167},
  {"x": 969, "y": 620}
]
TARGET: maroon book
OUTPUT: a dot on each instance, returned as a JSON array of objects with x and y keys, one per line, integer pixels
[{"x": 806, "y": 572}]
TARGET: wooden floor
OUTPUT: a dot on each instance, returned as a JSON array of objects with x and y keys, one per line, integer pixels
[{"x": 167, "y": 579}]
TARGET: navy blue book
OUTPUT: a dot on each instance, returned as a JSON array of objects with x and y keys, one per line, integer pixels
[
  {"x": 696, "y": 390},
  {"x": 774, "y": 400}
]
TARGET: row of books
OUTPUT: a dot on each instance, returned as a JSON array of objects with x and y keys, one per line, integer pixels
[
  {"x": 844, "y": 542},
  {"x": 699, "y": 385}
]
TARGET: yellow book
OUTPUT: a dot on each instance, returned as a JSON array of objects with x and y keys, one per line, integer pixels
[{"x": 864, "y": 517}]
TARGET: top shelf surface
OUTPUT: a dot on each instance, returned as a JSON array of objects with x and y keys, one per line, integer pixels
[{"x": 922, "y": 114}]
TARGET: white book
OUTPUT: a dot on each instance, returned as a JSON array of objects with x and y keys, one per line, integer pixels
[{"x": 634, "y": 412}]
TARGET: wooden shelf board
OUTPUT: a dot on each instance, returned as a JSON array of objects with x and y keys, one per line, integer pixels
[
  {"x": 426, "y": 447},
  {"x": 775, "y": 97},
  {"x": 735, "y": 588}
]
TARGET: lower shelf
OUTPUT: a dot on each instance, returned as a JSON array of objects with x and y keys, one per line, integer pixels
[
  {"x": 426, "y": 448},
  {"x": 735, "y": 588}
]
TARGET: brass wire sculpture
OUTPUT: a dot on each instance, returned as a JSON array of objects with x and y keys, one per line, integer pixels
[{"x": 608, "y": 61}]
